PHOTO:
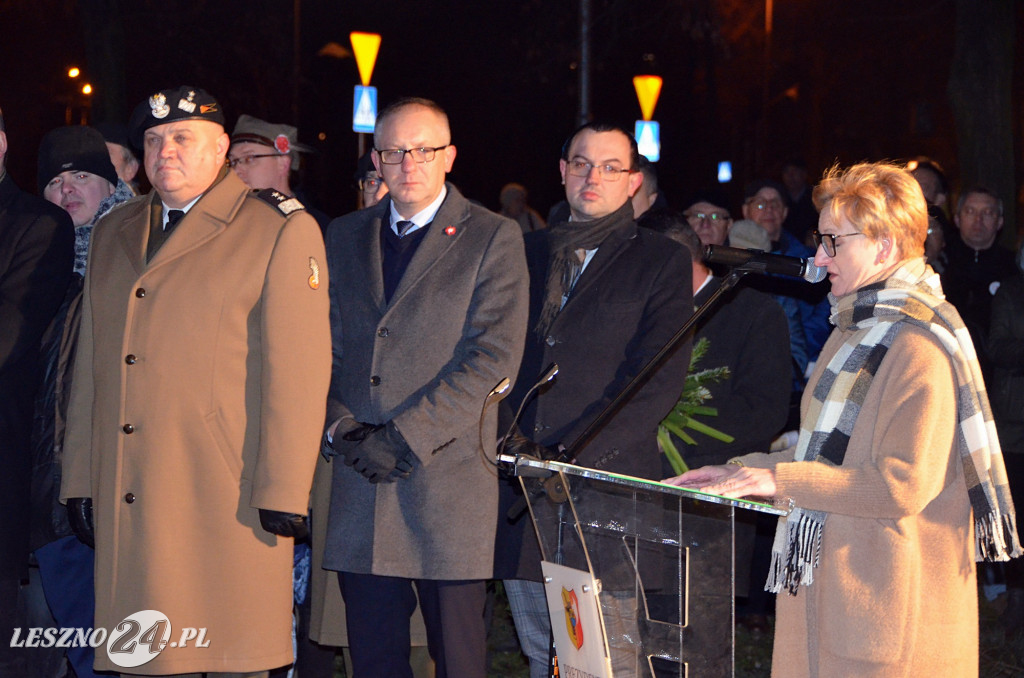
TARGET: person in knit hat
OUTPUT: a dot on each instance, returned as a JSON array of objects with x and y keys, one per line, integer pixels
[{"x": 75, "y": 173}]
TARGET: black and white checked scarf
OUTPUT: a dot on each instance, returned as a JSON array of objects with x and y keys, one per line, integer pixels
[{"x": 877, "y": 313}]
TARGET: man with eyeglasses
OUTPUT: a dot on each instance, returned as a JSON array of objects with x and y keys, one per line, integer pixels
[
  {"x": 708, "y": 217},
  {"x": 805, "y": 305},
  {"x": 605, "y": 296},
  {"x": 371, "y": 185},
  {"x": 428, "y": 311},
  {"x": 266, "y": 155},
  {"x": 976, "y": 263}
]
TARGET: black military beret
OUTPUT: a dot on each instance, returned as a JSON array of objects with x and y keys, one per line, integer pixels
[{"x": 171, "y": 105}]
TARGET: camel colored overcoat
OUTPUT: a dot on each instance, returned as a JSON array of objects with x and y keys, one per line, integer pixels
[{"x": 198, "y": 397}]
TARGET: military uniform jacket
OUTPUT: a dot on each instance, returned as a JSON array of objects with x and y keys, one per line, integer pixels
[
  {"x": 198, "y": 397},
  {"x": 453, "y": 329}
]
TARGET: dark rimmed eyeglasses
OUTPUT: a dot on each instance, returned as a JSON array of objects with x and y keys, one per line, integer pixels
[
  {"x": 395, "y": 156},
  {"x": 827, "y": 241}
]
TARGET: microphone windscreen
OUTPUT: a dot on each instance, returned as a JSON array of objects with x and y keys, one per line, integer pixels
[{"x": 814, "y": 273}]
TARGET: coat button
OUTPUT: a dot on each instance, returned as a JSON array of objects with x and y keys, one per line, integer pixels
[
  {"x": 129, "y": 498},
  {"x": 130, "y": 359},
  {"x": 382, "y": 332},
  {"x": 550, "y": 340},
  {"x": 375, "y": 380},
  {"x": 538, "y": 427},
  {"x": 141, "y": 292},
  {"x": 128, "y": 428}
]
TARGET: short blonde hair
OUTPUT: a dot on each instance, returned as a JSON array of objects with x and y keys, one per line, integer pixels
[{"x": 881, "y": 200}]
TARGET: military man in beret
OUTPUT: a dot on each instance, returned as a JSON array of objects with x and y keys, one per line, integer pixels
[
  {"x": 266, "y": 155},
  {"x": 198, "y": 394}
]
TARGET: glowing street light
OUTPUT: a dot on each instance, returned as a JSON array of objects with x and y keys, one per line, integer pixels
[
  {"x": 87, "y": 89},
  {"x": 74, "y": 72}
]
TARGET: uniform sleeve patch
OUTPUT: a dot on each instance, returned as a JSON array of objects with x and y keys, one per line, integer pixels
[
  {"x": 284, "y": 204},
  {"x": 314, "y": 278}
]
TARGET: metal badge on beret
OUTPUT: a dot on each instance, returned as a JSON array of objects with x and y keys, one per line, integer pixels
[{"x": 172, "y": 105}]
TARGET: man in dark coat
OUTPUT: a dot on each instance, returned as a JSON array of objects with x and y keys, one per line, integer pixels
[
  {"x": 977, "y": 263},
  {"x": 605, "y": 297},
  {"x": 428, "y": 311},
  {"x": 37, "y": 244}
]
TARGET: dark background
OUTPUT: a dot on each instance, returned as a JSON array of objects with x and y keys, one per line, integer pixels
[{"x": 844, "y": 81}]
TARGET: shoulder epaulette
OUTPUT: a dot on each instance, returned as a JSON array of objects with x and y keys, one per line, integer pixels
[{"x": 284, "y": 204}]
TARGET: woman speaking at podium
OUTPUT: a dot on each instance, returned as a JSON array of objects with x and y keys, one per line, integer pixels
[{"x": 896, "y": 484}]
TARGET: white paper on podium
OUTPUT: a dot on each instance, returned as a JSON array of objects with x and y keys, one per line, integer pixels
[{"x": 576, "y": 622}]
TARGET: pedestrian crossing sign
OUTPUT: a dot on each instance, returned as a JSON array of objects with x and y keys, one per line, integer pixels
[{"x": 364, "y": 110}]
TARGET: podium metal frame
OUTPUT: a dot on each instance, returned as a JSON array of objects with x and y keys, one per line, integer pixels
[{"x": 660, "y": 559}]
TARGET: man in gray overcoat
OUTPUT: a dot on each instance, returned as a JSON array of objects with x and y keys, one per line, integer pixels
[{"x": 428, "y": 313}]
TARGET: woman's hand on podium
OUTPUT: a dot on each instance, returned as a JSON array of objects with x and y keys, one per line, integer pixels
[{"x": 728, "y": 480}]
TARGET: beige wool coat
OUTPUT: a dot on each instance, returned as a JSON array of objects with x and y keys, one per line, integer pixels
[
  {"x": 198, "y": 397},
  {"x": 895, "y": 595}
]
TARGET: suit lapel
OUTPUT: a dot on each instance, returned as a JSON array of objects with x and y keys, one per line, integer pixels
[
  {"x": 207, "y": 219},
  {"x": 134, "y": 233},
  {"x": 706, "y": 292},
  {"x": 369, "y": 267},
  {"x": 442, "y": 234},
  {"x": 608, "y": 252}
]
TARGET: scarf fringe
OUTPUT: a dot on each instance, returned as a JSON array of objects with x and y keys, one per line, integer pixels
[
  {"x": 995, "y": 536},
  {"x": 802, "y": 554}
]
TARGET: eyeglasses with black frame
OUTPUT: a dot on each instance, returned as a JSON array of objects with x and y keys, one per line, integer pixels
[
  {"x": 395, "y": 156},
  {"x": 828, "y": 240},
  {"x": 582, "y": 168},
  {"x": 248, "y": 159}
]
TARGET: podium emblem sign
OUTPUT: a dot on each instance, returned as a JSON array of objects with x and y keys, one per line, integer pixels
[{"x": 576, "y": 621}]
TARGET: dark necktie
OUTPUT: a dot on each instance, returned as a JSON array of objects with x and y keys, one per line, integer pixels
[
  {"x": 404, "y": 227},
  {"x": 173, "y": 217}
]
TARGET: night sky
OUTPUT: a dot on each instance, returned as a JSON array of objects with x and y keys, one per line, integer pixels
[{"x": 847, "y": 80}]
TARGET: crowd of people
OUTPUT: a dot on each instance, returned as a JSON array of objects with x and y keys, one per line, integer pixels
[{"x": 218, "y": 403}]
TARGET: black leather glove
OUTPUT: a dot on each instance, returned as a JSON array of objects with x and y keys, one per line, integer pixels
[
  {"x": 284, "y": 524},
  {"x": 348, "y": 432},
  {"x": 80, "y": 517},
  {"x": 383, "y": 456},
  {"x": 518, "y": 444}
]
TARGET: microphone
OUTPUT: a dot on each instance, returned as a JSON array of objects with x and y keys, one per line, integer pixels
[
  {"x": 757, "y": 261},
  {"x": 497, "y": 391},
  {"x": 496, "y": 394},
  {"x": 548, "y": 375}
]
